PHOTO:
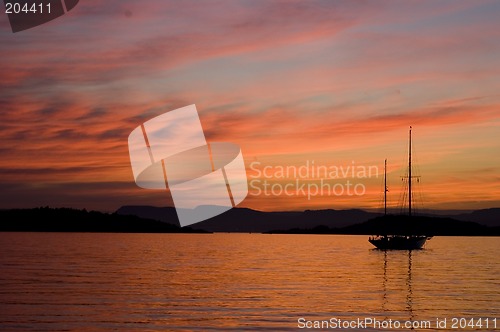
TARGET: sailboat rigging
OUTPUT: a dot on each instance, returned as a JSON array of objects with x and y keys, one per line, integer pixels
[{"x": 400, "y": 241}]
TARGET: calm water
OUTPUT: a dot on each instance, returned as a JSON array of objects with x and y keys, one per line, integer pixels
[{"x": 78, "y": 281}]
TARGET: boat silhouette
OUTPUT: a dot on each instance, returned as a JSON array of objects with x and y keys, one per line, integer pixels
[{"x": 403, "y": 240}]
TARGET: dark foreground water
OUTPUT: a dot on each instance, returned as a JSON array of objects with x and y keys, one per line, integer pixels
[{"x": 126, "y": 282}]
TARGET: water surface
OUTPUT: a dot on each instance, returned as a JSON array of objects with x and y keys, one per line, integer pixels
[{"x": 84, "y": 281}]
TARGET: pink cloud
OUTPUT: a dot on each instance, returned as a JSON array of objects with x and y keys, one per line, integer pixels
[{"x": 328, "y": 78}]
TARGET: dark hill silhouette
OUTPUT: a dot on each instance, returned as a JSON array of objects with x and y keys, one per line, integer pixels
[
  {"x": 488, "y": 217},
  {"x": 420, "y": 225},
  {"x": 240, "y": 220},
  {"x": 164, "y": 214},
  {"x": 248, "y": 220},
  {"x": 404, "y": 225},
  {"x": 70, "y": 220}
]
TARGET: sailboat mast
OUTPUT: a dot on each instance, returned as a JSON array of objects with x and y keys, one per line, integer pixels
[
  {"x": 409, "y": 175},
  {"x": 385, "y": 187}
]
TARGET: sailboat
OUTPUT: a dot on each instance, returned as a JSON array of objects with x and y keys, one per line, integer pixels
[{"x": 399, "y": 241}]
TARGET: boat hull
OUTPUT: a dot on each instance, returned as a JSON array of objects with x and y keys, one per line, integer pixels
[{"x": 398, "y": 242}]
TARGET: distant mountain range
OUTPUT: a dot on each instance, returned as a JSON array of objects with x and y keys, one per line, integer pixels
[
  {"x": 149, "y": 219},
  {"x": 487, "y": 217},
  {"x": 404, "y": 225},
  {"x": 247, "y": 220}
]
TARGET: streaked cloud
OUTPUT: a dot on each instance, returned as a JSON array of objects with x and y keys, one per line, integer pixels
[{"x": 286, "y": 80}]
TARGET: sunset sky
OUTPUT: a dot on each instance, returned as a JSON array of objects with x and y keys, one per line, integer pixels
[{"x": 334, "y": 82}]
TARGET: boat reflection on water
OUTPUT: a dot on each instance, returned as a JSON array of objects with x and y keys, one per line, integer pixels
[
  {"x": 409, "y": 295},
  {"x": 397, "y": 298}
]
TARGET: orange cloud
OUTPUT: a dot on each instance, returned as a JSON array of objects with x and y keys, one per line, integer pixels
[{"x": 287, "y": 80}]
